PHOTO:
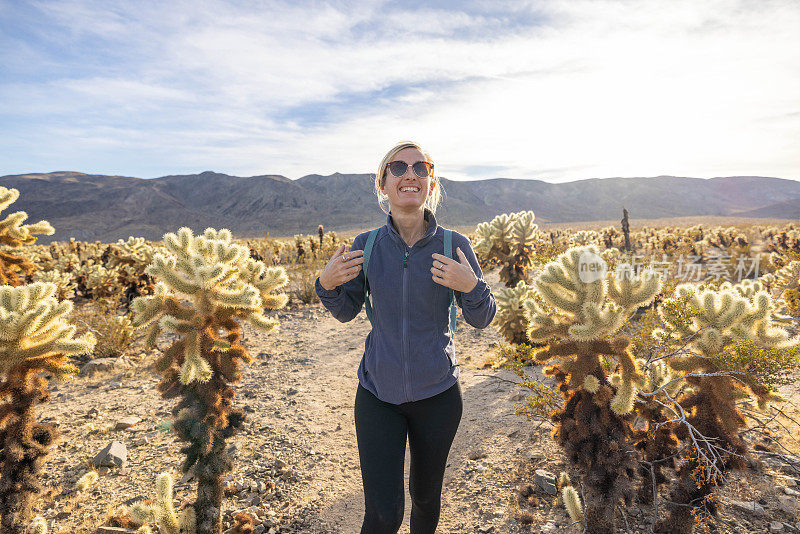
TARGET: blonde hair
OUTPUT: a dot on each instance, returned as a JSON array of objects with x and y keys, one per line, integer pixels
[{"x": 434, "y": 198}]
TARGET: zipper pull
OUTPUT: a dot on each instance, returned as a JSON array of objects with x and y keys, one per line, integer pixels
[{"x": 405, "y": 260}]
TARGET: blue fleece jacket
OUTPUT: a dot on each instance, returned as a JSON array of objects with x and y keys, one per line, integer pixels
[{"x": 409, "y": 354}]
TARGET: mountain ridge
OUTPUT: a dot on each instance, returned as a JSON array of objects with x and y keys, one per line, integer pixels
[{"x": 104, "y": 207}]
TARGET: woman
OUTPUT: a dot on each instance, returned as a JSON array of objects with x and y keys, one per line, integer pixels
[{"x": 408, "y": 376}]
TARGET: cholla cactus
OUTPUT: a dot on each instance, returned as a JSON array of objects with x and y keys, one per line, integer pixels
[
  {"x": 584, "y": 237},
  {"x": 786, "y": 281},
  {"x": 584, "y": 307},
  {"x": 511, "y": 319},
  {"x": 102, "y": 282},
  {"x": 62, "y": 281},
  {"x": 131, "y": 258},
  {"x": 34, "y": 337},
  {"x": 222, "y": 284},
  {"x": 736, "y": 351},
  {"x": 14, "y": 234},
  {"x": 162, "y": 512},
  {"x": 508, "y": 240}
]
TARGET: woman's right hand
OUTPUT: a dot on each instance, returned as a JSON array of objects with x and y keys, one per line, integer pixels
[{"x": 341, "y": 268}]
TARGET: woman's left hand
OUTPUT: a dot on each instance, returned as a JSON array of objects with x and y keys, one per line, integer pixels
[{"x": 457, "y": 275}]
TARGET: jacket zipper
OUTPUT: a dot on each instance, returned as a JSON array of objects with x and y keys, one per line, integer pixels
[{"x": 405, "y": 325}]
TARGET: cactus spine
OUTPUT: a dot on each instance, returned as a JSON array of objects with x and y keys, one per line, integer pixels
[
  {"x": 34, "y": 337},
  {"x": 222, "y": 284},
  {"x": 577, "y": 317}
]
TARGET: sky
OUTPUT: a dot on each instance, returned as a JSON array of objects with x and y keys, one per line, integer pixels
[{"x": 554, "y": 90}]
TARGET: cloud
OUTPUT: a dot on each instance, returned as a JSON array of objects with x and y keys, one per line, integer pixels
[{"x": 554, "y": 90}]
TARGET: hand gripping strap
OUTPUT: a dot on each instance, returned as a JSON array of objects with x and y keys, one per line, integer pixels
[
  {"x": 367, "y": 253},
  {"x": 448, "y": 250}
]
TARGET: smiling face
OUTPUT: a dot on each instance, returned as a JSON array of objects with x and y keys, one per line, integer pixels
[{"x": 408, "y": 192}]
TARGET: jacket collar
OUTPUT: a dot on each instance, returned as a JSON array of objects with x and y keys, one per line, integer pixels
[{"x": 432, "y": 227}]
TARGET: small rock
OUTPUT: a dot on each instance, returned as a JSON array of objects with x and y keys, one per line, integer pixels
[
  {"x": 791, "y": 491},
  {"x": 477, "y": 454},
  {"x": 98, "y": 364},
  {"x": 751, "y": 507},
  {"x": 776, "y": 526},
  {"x": 787, "y": 504},
  {"x": 546, "y": 481},
  {"x": 549, "y": 528},
  {"x": 126, "y": 422},
  {"x": 115, "y": 454}
]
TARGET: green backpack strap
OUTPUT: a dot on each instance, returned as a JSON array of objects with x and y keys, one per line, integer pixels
[
  {"x": 367, "y": 253},
  {"x": 448, "y": 251}
]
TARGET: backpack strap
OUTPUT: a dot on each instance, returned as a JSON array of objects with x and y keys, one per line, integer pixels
[
  {"x": 367, "y": 253},
  {"x": 448, "y": 251}
]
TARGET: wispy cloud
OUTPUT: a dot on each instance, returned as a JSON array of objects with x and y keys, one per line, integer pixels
[{"x": 554, "y": 90}]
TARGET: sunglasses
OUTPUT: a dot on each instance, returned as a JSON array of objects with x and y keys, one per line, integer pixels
[{"x": 423, "y": 169}]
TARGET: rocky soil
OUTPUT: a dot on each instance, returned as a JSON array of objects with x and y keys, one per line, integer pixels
[{"x": 300, "y": 438}]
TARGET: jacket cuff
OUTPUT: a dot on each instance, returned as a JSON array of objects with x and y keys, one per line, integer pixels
[
  {"x": 323, "y": 293},
  {"x": 477, "y": 294}
]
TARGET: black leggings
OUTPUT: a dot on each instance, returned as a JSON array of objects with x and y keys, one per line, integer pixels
[{"x": 381, "y": 430}]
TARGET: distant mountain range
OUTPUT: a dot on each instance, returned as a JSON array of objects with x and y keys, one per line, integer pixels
[{"x": 93, "y": 207}]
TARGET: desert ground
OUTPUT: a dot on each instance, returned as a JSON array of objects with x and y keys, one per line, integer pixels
[{"x": 299, "y": 434}]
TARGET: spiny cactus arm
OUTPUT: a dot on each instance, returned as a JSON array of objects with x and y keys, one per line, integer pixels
[
  {"x": 187, "y": 522},
  {"x": 164, "y": 509},
  {"x": 560, "y": 349},
  {"x": 263, "y": 323},
  {"x": 244, "y": 297},
  {"x": 195, "y": 367},
  {"x": 572, "y": 502},
  {"x": 524, "y": 230},
  {"x": 630, "y": 293},
  {"x": 14, "y": 233},
  {"x": 723, "y": 309},
  {"x": 7, "y": 197},
  {"x": 164, "y": 268},
  {"x": 599, "y": 322},
  {"x": 173, "y": 324},
  {"x": 544, "y": 325},
  {"x": 153, "y": 307},
  {"x": 143, "y": 513},
  {"x": 552, "y": 292},
  {"x": 772, "y": 336},
  {"x": 623, "y": 401}
]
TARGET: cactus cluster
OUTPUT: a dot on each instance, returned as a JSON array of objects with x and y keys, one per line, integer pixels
[{"x": 207, "y": 284}]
